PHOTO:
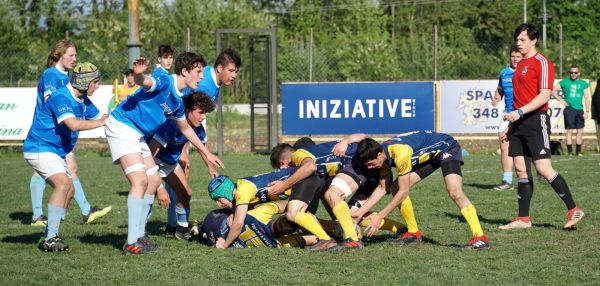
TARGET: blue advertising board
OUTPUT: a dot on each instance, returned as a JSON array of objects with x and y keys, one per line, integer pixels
[{"x": 368, "y": 107}]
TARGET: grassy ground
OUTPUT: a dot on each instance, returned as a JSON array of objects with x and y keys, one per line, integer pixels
[{"x": 544, "y": 255}]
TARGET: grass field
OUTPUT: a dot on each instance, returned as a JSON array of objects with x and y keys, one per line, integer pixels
[{"x": 544, "y": 255}]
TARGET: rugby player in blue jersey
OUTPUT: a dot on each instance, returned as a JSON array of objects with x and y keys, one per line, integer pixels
[
  {"x": 166, "y": 146},
  {"x": 505, "y": 90},
  {"x": 53, "y": 135},
  {"x": 60, "y": 60},
  {"x": 165, "y": 59},
  {"x": 415, "y": 156},
  {"x": 135, "y": 121}
]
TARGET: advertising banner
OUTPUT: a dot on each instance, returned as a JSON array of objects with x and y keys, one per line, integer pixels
[
  {"x": 345, "y": 108},
  {"x": 466, "y": 107}
]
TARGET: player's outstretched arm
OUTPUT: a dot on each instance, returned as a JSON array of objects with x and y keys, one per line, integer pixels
[
  {"x": 403, "y": 184},
  {"x": 75, "y": 124},
  {"x": 307, "y": 168},
  {"x": 191, "y": 136},
  {"x": 140, "y": 65},
  {"x": 236, "y": 225},
  {"x": 375, "y": 197},
  {"x": 155, "y": 147}
]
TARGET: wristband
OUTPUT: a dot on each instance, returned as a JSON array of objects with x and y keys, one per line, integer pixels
[{"x": 521, "y": 113}]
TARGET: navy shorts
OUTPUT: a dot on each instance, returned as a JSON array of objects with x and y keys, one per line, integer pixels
[{"x": 573, "y": 118}]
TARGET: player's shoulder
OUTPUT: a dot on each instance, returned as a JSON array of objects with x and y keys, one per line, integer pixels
[{"x": 542, "y": 60}]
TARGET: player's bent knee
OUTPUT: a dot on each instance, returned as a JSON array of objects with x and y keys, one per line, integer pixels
[
  {"x": 134, "y": 168},
  {"x": 341, "y": 188}
]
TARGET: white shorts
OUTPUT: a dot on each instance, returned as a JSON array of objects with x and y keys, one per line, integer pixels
[
  {"x": 165, "y": 169},
  {"x": 47, "y": 164},
  {"x": 123, "y": 140},
  {"x": 502, "y": 125}
]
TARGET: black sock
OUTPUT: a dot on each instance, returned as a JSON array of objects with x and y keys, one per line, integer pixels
[
  {"x": 578, "y": 148},
  {"x": 525, "y": 192},
  {"x": 560, "y": 187},
  {"x": 569, "y": 148}
]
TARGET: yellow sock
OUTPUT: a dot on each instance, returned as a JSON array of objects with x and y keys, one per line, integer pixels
[
  {"x": 311, "y": 224},
  {"x": 408, "y": 213},
  {"x": 385, "y": 224},
  {"x": 470, "y": 215},
  {"x": 342, "y": 213}
]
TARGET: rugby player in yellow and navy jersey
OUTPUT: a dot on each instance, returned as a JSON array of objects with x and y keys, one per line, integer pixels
[
  {"x": 416, "y": 155},
  {"x": 259, "y": 229},
  {"x": 319, "y": 159},
  {"x": 250, "y": 191}
]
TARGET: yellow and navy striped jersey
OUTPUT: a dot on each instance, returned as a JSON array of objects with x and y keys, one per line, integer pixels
[
  {"x": 407, "y": 150},
  {"x": 328, "y": 164},
  {"x": 251, "y": 190}
]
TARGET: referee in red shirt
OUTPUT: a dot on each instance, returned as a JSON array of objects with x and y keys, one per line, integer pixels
[{"x": 529, "y": 134}]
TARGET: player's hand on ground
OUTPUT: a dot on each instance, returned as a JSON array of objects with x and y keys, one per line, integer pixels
[
  {"x": 163, "y": 198},
  {"x": 220, "y": 243},
  {"x": 140, "y": 65},
  {"x": 374, "y": 227},
  {"x": 275, "y": 188},
  {"x": 340, "y": 149}
]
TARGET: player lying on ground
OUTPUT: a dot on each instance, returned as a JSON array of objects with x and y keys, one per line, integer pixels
[
  {"x": 417, "y": 153},
  {"x": 253, "y": 190},
  {"x": 166, "y": 147},
  {"x": 53, "y": 135},
  {"x": 259, "y": 228}
]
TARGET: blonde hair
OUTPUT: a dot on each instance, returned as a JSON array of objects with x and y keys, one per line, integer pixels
[{"x": 59, "y": 49}]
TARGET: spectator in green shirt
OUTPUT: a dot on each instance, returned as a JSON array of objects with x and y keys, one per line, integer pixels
[{"x": 574, "y": 91}]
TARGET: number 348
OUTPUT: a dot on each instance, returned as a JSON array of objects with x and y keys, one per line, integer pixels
[{"x": 485, "y": 112}]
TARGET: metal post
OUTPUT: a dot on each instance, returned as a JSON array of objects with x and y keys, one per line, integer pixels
[
  {"x": 310, "y": 57},
  {"x": 133, "y": 44},
  {"x": 544, "y": 21},
  {"x": 187, "y": 46},
  {"x": 219, "y": 108},
  {"x": 560, "y": 51},
  {"x": 274, "y": 126},
  {"x": 524, "y": 11},
  {"x": 435, "y": 52}
]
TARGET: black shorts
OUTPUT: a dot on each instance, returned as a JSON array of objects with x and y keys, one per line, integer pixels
[
  {"x": 573, "y": 118},
  {"x": 530, "y": 136},
  {"x": 453, "y": 155},
  {"x": 309, "y": 191},
  {"x": 359, "y": 172}
]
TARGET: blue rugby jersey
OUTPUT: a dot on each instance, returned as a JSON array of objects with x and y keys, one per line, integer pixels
[
  {"x": 47, "y": 133},
  {"x": 147, "y": 110},
  {"x": 172, "y": 141},
  {"x": 505, "y": 84},
  {"x": 207, "y": 85},
  {"x": 52, "y": 79}
]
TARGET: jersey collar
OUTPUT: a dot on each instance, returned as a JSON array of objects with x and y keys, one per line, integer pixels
[
  {"x": 61, "y": 71},
  {"x": 72, "y": 92},
  {"x": 213, "y": 74},
  {"x": 175, "y": 83}
]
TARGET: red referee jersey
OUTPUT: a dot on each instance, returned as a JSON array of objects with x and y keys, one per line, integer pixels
[{"x": 532, "y": 75}]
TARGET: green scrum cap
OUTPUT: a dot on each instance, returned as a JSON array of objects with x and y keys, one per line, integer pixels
[{"x": 221, "y": 187}]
